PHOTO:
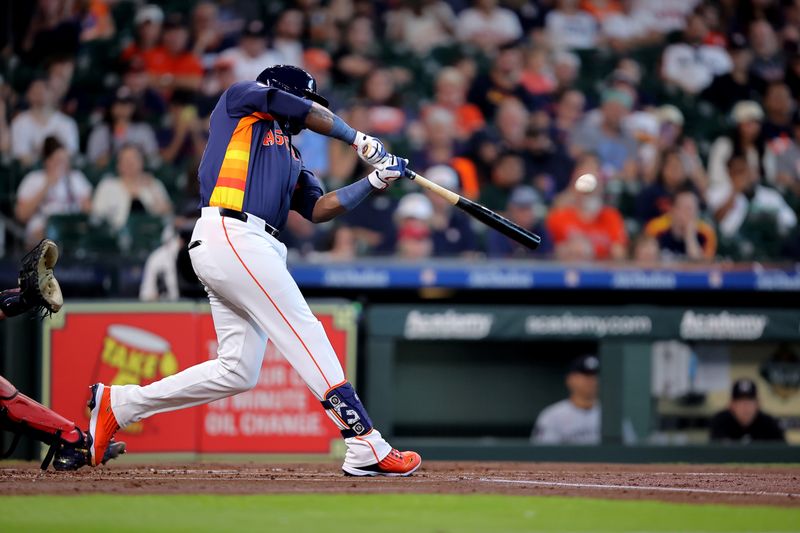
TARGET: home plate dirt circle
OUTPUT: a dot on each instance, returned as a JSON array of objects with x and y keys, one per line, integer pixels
[{"x": 681, "y": 483}]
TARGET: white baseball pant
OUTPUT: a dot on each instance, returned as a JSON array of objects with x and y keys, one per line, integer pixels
[{"x": 253, "y": 298}]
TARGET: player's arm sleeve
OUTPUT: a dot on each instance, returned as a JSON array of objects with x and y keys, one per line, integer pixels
[
  {"x": 546, "y": 429},
  {"x": 247, "y": 97},
  {"x": 306, "y": 193}
]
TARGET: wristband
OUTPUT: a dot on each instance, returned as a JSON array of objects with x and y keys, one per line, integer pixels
[
  {"x": 342, "y": 131},
  {"x": 355, "y": 193}
]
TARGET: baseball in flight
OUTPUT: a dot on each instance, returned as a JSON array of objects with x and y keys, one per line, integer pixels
[{"x": 586, "y": 183}]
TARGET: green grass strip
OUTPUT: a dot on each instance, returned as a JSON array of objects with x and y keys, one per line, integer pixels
[{"x": 373, "y": 513}]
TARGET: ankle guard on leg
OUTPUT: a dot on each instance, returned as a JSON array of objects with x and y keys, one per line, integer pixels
[{"x": 347, "y": 408}]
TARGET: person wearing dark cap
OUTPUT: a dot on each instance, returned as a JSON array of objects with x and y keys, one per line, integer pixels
[
  {"x": 737, "y": 85},
  {"x": 576, "y": 419},
  {"x": 525, "y": 208},
  {"x": 743, "y": 421},
  {"x": 171, "y": 65}
]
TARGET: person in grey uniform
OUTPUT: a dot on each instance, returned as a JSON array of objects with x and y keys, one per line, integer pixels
[{"x": 576, "y": 419}]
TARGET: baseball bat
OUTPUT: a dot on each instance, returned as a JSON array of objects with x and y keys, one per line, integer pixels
[{"x": 476, "y": 210}]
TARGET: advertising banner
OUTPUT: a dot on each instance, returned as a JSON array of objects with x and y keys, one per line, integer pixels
[
  {"x": 583, "y": 323},
  {"x": 135, "y": 343}
]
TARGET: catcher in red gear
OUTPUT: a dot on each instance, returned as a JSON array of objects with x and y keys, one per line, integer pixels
[{"x": 69, "y": 446}]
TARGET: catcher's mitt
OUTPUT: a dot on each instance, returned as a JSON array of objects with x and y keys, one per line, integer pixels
[{"x": 38, "y": 285}]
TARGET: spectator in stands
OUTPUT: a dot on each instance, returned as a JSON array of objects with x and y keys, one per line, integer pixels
[
  {"x": 511, "y": 121},
  {"x": 413, "y": 218},
  {"x": 172, "y": 66},
  {"x": 569, "y": 112},
  {"x": 451, "y": 95},
  {"x": 792, "y": 77},
  {"x": 132, "y": 191},
  {"x": 546, "y": 162},
  {"x": 379, "y": 92},
  {"x": 487, "y": 25},
  {"x": 95, "y": 20},
  {"x": 645, "y": 252},
  {"x": 287, "y": 35},
  {"x": 252, "y": 55},
  {"x": 168, "y": 274},
  {"x": 602, "y": 133},
  {"x": 217, "y": 81},
  {"x": 779, "y": 107},
  {"x": 184, "y": 138},
  {"x": 576, "y": 419},
  {"x": 207, "y": 35},
  {"x": 569, "y": 27},
  {"x": 119, "y": 129},
  {"x": 768, "y": 63},
  {"x": 41, "y": 120},
  {"x": 60, "y": 71},
  {"x": 435, "y": 138},
  {"x": 740, "y": 83},
  {"x": 744, "y": 201},
  {"x": 743, "y": 421},
  {"x": 5, "y": 130},
  {"x": 746, "y": 139},
  {"x": 502, "y": 82},
  {"x": 52, "y": 28},
  {"x": 340, "y": 245},
  {"x": 629, "y": 28},
  {"x": 566, "y": 69},
  {"x": 56, "y": 189},
  {"x": 421, "y": 25},
  {"x": 668, "y": 16},
  {"x": 691, "y": 65},
  {"x": 787, "y": 161},
  {"x": 451, "y": 229},
  {"x": 586, "y": 229},
  {"x": 150, "y": 104},
  {"x": 681, "y": 233},
  {"x": 537, "y": 76},
  {"x": 508, "y": 171},
  {"x": 656, "y": 200},
  {"x": 148, "y": 20},
  {"x": 358, "y": 54},
  {"x": 524, "y": 208}
]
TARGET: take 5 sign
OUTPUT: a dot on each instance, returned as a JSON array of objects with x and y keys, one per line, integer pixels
[{"x": 136, "y": 343}]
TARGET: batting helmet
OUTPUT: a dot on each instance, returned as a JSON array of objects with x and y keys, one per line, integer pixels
[{"x": 293, "y": 80}]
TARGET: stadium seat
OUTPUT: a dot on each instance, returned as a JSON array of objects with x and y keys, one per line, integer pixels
[{"x": 141, "y": 235}]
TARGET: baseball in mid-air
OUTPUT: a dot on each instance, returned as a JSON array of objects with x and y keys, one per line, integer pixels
[{"x": 586, "y": 183}]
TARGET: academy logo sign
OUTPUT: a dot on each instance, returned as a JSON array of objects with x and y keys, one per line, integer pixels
[
  {"x": 591, "y": 325},
  {"x": 722, "y": 326},
  {"x": 448, "y": 325}
]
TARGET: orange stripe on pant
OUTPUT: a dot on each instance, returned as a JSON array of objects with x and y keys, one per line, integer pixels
[{"x": 227, "y": 237}]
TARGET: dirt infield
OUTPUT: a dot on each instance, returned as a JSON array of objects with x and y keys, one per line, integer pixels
[{"x": 679, "y": 483}]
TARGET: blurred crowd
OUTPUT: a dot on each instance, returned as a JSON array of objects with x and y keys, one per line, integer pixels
[{"x": 685, "y": 110}]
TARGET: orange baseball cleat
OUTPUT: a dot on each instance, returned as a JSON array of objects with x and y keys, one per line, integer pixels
[
  {"x": 396, "y": 464},
  {"x": 102, "y": 424}
]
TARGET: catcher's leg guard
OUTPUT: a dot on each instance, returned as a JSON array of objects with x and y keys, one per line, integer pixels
[
  {"x": 345, "y": 408},
  {"x": 22, "y": 415},
  {"x": 69, "y": 446}
]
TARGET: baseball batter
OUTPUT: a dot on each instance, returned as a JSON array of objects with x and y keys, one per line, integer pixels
[{"x": 250, "y": 177}]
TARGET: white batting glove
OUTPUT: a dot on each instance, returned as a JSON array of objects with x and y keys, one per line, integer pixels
[
  {"x": 395, "y": 169},
  {"x": 371, "y": 150}
]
